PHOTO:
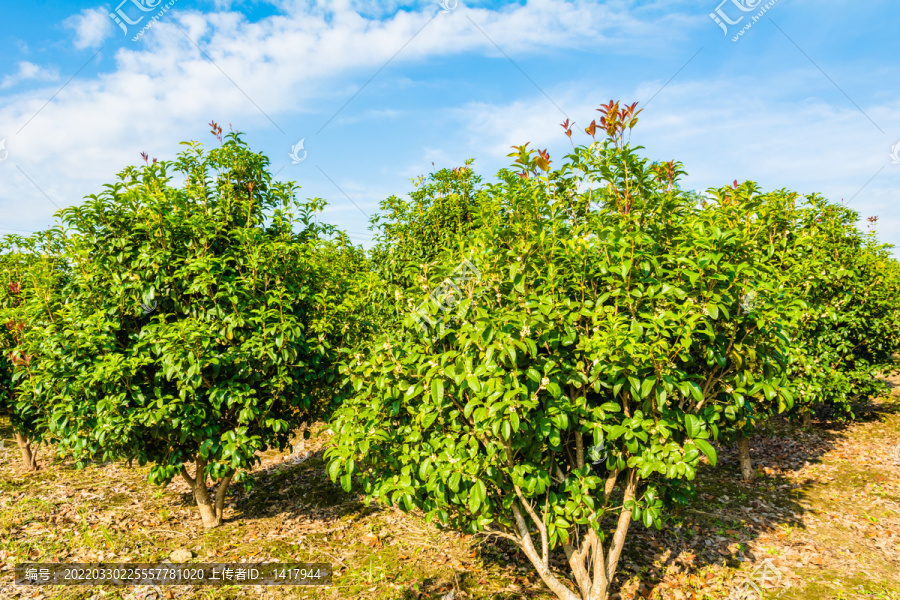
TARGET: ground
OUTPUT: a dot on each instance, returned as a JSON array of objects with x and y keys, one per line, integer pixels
[{"x": 820, "y": 521}]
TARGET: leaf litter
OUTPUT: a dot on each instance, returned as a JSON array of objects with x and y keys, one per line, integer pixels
[{"x": 821, "y": 519}]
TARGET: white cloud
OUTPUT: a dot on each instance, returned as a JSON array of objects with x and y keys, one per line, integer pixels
[
  {"x": 29, "y": 71},
  {"x": 384, "y": 114},
  {"x": 163, "y": 87},
  {"x": 91, "y": 27}
]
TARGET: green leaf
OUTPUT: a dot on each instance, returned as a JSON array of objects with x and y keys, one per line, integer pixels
[
  {"x": 707, "y": 449},
  {"x": 616, "y": 432},
  {"x": 480, "y": 490},
  {"x": 514, "y": 421},
  {"x": 333, "y": 468},
  {"x": 437, "y": 390},
  {"x": 693, "y": 425},
  {"x": 474, "y": 500}
]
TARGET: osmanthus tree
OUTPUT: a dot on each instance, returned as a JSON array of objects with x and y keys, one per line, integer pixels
[
  {"x": 599, "y": 339},
  {"x": 768, "y": 225},
  {"x": 201, "y": 323},
  {"x": 411, "y": 234},
  {"x": 845, "y": 336},
  {"x": 11, "y": 267},
  {"x": 29, "y": 278}
]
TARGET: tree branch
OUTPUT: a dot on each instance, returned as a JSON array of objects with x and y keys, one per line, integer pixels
[
  {"x": 542, "y": 567},
  {"x": 618, "y": 541},
  {"x": 187, "y": 478},
  {"x": 220, "y": 495},
  {"x": 541, "y": 525},
  {"x": 576, "y": 561},
  {"x": 579, "y": 450},
  {"x": 610, "y": 484}
]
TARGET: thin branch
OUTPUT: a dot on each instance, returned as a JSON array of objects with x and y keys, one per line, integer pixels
[
  {"x": 541, "y": 525},
  {"x": 190, "y": 480},
  {"x": 618, "y": 541},
  {"x": 610, "y": 484},
  {"x": 579, "y": 450},
  {"x": 220, "y": 496}
]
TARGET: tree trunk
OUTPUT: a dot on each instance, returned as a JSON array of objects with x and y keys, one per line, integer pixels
[
  {"x": 541, "y": 565},
  {"x": 592, "y": 569},
  {"x": 29, "y": 456},
  {"x": 806, "y": 419},
  {"x": 210, "y": 512},
  {"x": 743, "y": 444},
  {"x": 600, "y": 591}
]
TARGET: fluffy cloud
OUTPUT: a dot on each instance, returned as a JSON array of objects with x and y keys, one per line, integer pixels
[
  {"x": 248, "y": 72},
  {"x": 318, "y": 53},
  {"x": 29, "y": 71},
  {"x": 91, "y": 27}
]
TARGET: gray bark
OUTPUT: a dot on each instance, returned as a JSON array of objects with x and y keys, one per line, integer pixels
[
  {"x": 743, "y": 444},
  {"x": 211, "y": 511},
  {"x": 29, "y": 455}
]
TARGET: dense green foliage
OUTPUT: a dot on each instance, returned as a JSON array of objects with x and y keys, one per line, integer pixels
[
  {"x": 602, "y": 337},
  {"x": 847, "y": 282},
  {"x": 31, "y": 271},
  {"x": 412, "y": 233},
  {"x": 11, "y": 332},
  {"x": 198, "y": 326}
]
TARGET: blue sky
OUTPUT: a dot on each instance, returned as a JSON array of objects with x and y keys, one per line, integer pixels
[{"x": 806, "y": 98}]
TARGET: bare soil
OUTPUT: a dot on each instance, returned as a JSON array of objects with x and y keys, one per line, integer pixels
[{"x": 820, "y": 520}]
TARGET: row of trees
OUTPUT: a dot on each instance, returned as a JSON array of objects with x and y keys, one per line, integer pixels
[{"x": 587, "y": 333}]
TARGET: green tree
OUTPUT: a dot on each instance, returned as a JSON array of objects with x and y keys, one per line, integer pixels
[
  {"x": 844, "y": 338},
  {"x": 201, "y": 323},
  {"x": 598, "y": 340},
  {"x": 12, "y": 277},
  {"x": 31, "y": 270},
  {"x": 412, "y": 234}
]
